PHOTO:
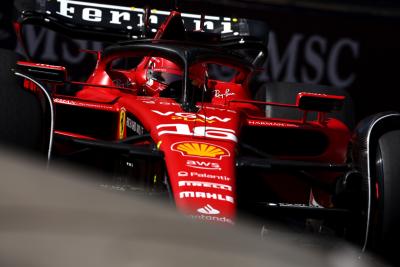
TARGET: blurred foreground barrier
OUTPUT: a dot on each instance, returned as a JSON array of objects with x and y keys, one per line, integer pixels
[{"x": 58, "y": 218}]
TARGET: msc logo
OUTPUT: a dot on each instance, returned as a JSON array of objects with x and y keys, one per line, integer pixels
[{"x": 199, "y": 149}]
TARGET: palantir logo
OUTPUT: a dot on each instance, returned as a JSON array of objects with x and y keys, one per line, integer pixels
[{"x": 208, "y": 210}]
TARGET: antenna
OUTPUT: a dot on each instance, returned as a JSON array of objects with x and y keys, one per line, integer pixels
[
  {"x": 146, "y": 21},
  {"x": 202, "y": 21},
  {"x": 176, "y": 5}
]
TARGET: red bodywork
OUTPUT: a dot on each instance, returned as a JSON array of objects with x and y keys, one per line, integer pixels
[{"x": 200, "y": 148}]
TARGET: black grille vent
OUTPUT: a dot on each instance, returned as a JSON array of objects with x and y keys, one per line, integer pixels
[
  {"x": 285, "y": 142},
  {"x": 98, "y": 124}
]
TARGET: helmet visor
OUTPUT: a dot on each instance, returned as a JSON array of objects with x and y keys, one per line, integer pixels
[{"x": 163, "y": 77}]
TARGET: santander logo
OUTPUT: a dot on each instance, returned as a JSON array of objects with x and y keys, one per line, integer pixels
[{"x": 209, "y": 210}]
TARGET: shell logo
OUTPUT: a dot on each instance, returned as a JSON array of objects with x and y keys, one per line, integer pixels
[{"x": 199, "y": 149}]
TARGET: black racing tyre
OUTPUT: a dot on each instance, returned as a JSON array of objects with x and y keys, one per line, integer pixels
[
  {"x": 284, "y": 92},
  {"x": 385, "y": 196}
]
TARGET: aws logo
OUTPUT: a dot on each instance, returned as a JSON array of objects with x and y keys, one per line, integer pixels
[
  {"x": 205, "y": 165},
  {"x": 200, "y": 149}
]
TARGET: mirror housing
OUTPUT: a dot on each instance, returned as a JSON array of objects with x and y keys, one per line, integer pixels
[
  {"x": 319, "y": 102},
  {"x": 44, "y": 72}
]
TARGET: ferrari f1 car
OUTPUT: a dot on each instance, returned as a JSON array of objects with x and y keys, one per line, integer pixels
[{"x": 154, "y": 115}]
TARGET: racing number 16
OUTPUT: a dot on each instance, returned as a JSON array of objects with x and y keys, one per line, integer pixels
[{"x": 206, "y": 131}]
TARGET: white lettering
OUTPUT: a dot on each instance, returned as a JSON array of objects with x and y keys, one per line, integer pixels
[
  {"x": 91, "y": 14},
  {"x": 211, "y": 176},
  {"x": 186, "y": 194},
  {"x": 177, "y": 104},
  {"x": 141, "y": 23},
  {"x": 314, "y": 59},
  {"x": 272, "y": 124},
  {"x": 205, "y": 131},
  {"x": 212, "y": 196},
  {"x": 117, "y": 15},
  {"x": 203, "y": 165},
  {"x": 163, "y": 114},
  {"x": 227, "y": 27},
  {"x": 134, "y": 126},
  {"x": 64, "y": 9},
  {"x": 227, "y": 93},
  {"x": 204, "y": 175},
  {"x": 35, "y": 39},
  {"x": 333, "y": 68},
  {"x": 322, "y": 60},
  {"x": 205, "y": 184},
  {"x": 288, "y": 59},
  {"x": 191, "y": 194},
  {"x": 214, "y": 132},
  {"x": 183, "y": 174},
  {"x": 209, "y": 25},
  {"x": 212, "y": 218},
  {"x": 201, "y": 195},
  {"x": 153, "y": 19},
  {"x": 227, "y": 198},
  {"x": 181, "y": 129},
  {"x": 191, "y": 115}
]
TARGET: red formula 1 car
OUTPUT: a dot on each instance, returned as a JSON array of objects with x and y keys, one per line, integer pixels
[{"x": 153, "y": 114}]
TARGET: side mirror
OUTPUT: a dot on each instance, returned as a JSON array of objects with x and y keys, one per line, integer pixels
[
  {"x": 319, "y": 102},
  {"x": 44, "y": 72}
]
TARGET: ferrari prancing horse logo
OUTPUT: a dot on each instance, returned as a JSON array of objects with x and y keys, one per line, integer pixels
[{"x": 122, "y": 122}]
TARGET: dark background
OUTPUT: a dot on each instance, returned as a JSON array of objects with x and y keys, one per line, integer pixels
[{"x": 351, "y": 45}]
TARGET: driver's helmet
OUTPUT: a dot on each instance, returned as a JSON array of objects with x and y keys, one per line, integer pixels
[{"x": 160, "y": 74}]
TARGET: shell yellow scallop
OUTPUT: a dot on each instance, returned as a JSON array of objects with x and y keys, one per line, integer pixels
[{"x": 200, "y": 150}]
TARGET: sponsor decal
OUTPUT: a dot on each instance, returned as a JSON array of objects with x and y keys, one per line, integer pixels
[
  {"x": 205, "y": 184},
  {"x": 41, "y": 65},
  {"x": 201, "y": 131},
  {"x": 206, "y": 195},
  {"x": 209, "y": 210},
  {"x": 200, "y": 149},
  {"x": 83, "y": 104},
  {"x": 159, "y": 144},
  {"x": 191, "y": 117},
  {"x": 129, "y": 17},
  {"x": 271, "y": 124},
  {"x": 301, "y": 57},
  {"x": 203, "y": 175},
  {"x": 122, "y": 122},
  {"x": 219, "y": 109},
  {"x": 204, "y": 165},
  {"x": 218, "y": 94},
  {"x": 134, "y": 126},
  {"x": 183, "y": 174},
  {"x": 212, "y": 218},
  {"x": 292, "y": 205},
  {"x": 152, "y": 102},
  {"x": 288, "y": 60}
]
